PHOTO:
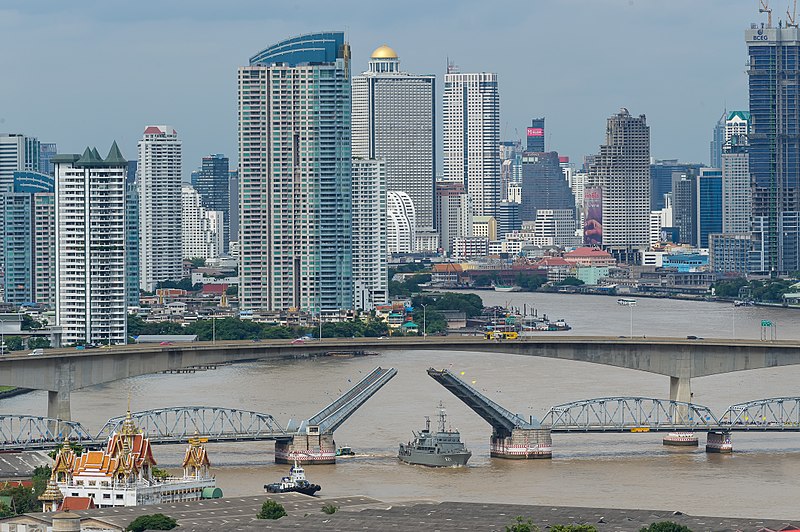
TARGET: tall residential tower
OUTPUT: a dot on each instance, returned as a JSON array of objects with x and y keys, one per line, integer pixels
[
  {"x": 295, "y": 219},
  {"x": 91, "y": 300},
  {"x": 159, "y": 182},
  {"x": 471, "y": 119}
]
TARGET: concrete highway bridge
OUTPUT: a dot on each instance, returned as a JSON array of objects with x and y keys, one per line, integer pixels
[{"x": 60, "y": 371}]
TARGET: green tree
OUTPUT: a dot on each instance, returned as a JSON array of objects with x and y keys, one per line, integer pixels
[
  {"x": 38, "y": 343},
  {"x": 330, "y": 508},
  {"x": 570, "y": 281},
  {"x": 152, "y": 522},
  {"x": 5, "y": 511},
  {"x": 729, "y": 288},
  {"x": 41, "y": 476},
  {"x": 13, "y": 343},
  {"x": 573, "y": 528},
  {"x": 530, "y": 282},
  {"x": 522, "y": 525},
  {"x": 24, "y": 499},
  {"x": 271, "y": 510},
  {"x": 197, "y": 262},
  {"x": 29, "y": 324},
  {"x": 159, "y": 473},
  {"x": 665, "y": 526}
]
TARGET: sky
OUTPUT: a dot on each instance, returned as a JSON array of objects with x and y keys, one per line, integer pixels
[{"x": 88, "y": 72}]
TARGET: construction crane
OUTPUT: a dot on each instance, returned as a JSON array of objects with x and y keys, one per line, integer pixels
[
  {"x": 766, "y": 9},
  {"x": 791, "y": 16}
]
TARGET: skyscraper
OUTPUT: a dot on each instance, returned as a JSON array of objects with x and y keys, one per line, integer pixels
[
  {"x": 394, "y": 120},
  {"x": 709, "y": 205},
  {"x": 684, "y": 206},
  {"x": 453, "y": 214},
  {"x": 775, "y": 144},
  {"x": 737, "y": 196},
  {"x": 717, "y": 141},
  {"x": 401, "y": 223},
  {"x": 233, "y": 209},
  {"x": 29, "y": 240},
  {"x": 543, "y": 185},
  {"x": 47, "y": 150},
  {"x": 661, "y": 179},
  {"x": 90, "y": 247},
  {"x": 295, "y": 176},
  {"x": 17, "y": 153},
  {"x": 471, "y": 119},
  {"x": 622, "y": 171},
  {"x": 370, "y": 280},
  {"x": 159, "y": 182},
  {"x": 535, "y": 136},
  {"x": 132, "y": 243},
  {"x": 213, "y": 185},
  {"x": 201, "y": 229}
]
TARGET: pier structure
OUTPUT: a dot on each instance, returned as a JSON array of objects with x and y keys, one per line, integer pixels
[{"x": 512, "y": 437}]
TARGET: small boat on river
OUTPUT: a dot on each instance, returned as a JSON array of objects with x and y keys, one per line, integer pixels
[{"x": 296, "y": 481}]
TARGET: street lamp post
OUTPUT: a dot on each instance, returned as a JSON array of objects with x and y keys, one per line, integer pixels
[
  {"x": 424, "y": 320},
  {"x": 213, "y": 329}
]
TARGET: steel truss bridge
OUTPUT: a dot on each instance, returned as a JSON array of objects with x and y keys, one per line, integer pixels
[
  {"x": 178, "y": 424},
  {"x": 607, "y": 414}
]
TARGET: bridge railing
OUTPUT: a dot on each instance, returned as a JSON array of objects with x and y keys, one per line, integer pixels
[
  {"x": 181, "y": 423},
  {"x": 616, "y": 414},
  {"x": 34, "y": 432},
  {"x": 778, "y": 413}
]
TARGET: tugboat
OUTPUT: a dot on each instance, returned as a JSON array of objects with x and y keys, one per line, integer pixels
[
  {"x": 441, "y": 449},
  {"x": 296, "y": 481},
  {"x": 344, "y": 452}
]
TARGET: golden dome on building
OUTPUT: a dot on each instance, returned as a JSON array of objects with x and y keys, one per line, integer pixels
[{"x": 384, "y": 52}]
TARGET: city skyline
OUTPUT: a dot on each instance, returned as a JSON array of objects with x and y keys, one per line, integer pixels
[{"x": 681, "y": 114}]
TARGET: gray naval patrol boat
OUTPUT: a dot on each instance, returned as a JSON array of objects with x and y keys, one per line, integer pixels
[{"x": 435, "y": 449}]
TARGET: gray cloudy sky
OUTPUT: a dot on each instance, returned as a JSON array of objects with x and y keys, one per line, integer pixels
[{"x": 90, "y": 71}]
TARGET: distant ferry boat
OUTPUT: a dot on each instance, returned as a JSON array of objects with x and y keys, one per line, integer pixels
[
  {"x": 506, "y": 288},
  {"x": 626, "y": 302}
]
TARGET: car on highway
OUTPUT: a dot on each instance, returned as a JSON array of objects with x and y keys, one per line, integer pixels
[
  {"x": 166, "y": 343},
  {"x": 297, "y": 341}
]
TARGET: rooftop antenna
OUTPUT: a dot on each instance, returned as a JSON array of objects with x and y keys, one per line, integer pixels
[
  {"x": 791, "y": 16},
  {"x": 766, "y": 9}
]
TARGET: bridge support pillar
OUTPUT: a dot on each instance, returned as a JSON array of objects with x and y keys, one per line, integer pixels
[
  {"x": 680, "y": 389},
  {"x": 681, "y": 439},
  {"x": 522, "y": 444},
  {"x": 719, "y": 441},
  {"x": 58, "y": 405},
  {"x": 306, "y": 449}
]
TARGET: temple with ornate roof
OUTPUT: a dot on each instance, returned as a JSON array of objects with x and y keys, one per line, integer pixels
[{"x": 122, "y": 474}]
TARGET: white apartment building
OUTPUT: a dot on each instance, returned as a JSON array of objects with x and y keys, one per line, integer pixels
[
  {"x": 393, "y": 120},
  {"x": 17, "y": 153},
  {"x": 202, "y": 231},
  {"x": 370, "y": 277},
  {"x": 485, "y": 226},
  {"x": 91, "y": 297},
  {"x": 467, "y": 247},
  {"x": 471, "y": 121},
  {"x": 401, "y": 223},
  {"x": 159, "y": 182},
  {"x": 554, "y": 225},
  {"x": 427, "y": 241},
  {"x": 737, "y": 194}
]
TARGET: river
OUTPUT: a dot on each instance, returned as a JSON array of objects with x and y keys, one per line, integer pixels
[{"x": 619, "y": 470}]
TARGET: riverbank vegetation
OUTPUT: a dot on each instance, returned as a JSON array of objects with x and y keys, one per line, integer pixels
[{"x": 766, "y": 291}]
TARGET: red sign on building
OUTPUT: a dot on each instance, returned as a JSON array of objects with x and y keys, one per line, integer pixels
[{"x": 535, "y": 132}]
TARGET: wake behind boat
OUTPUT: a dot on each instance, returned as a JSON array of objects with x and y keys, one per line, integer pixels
[
  {"x": 296, "y": 481},
  {"x": 440, "y": 449}
]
